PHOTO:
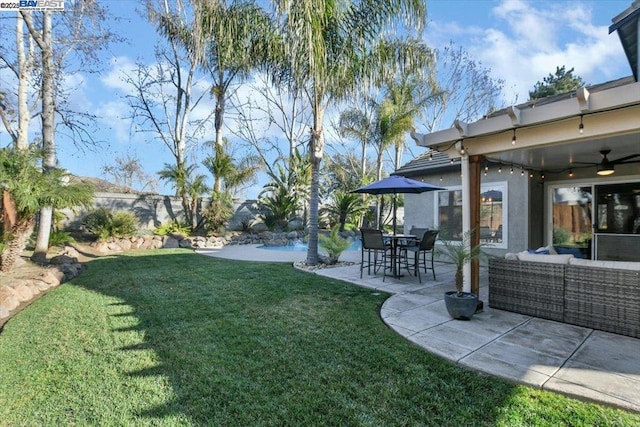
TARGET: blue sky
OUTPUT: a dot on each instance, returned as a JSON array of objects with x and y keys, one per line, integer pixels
[{"x": 520, "y": 41}]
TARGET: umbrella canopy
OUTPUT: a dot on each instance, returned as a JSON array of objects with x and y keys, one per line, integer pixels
[{"x": 396, "y": 184}]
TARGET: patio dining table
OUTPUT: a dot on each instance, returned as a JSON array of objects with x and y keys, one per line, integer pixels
[{"x": 395, "y": 239}]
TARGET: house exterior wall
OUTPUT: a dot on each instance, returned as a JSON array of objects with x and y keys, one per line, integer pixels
[{"x": 420, "y": 209}]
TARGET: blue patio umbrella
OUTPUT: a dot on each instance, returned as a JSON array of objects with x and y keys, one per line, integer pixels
[{"x": 396, "y": 184}]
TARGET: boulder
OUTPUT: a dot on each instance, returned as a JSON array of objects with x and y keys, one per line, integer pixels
[
  {"x": 295, "y": 224},
  {"x": 259, "y": 227},
  {"x": 9, "y": 303},
  {"x": 125, "y": 244},
  {"x": 170, "y": 242},
  {"x": 62, "y": 259},
  {"x": 52, "y": 277},
  {"x": 22, "y": 292},
  {"x": 5, "y": 313}
]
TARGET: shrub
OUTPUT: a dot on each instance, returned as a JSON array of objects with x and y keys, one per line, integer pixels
[
  {"x": 218, "y": 212},
  {"x": 60, "y": 238},
  {"x": 104, "y": 224},
  {"x": 333, "y": 244},
  {"x": 173, "y": 227}
]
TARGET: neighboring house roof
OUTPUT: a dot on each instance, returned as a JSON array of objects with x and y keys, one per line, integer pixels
[
  {"x": 626, "y": 24},
  {"x": 103, "y": 186},
  {"x": 431, "y": 162}
]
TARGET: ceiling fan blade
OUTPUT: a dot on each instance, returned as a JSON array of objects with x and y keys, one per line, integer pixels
[
  {"x": 585, "y": 163},
  {"x": 625, "y": 158}
]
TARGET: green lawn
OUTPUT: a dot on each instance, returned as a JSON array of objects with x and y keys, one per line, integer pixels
[{"x": 173, "y": 338}]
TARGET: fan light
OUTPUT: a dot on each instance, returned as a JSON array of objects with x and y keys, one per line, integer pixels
[{"x": 605, "y": 169}]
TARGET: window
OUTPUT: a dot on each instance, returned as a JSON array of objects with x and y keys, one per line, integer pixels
[
  {"x": 618, "y": 208},
  {"x": 492, "y": 213}
]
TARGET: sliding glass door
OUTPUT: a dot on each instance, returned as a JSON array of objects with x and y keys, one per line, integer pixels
[{"x": 571, "y": 211}]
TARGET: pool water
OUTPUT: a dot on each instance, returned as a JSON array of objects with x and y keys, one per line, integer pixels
[{"x": 302, "y": 247}]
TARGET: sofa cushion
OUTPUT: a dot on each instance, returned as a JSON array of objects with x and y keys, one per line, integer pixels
[
  {"x": 619, "y": 265},
  {"x": 551, "y": 259}
]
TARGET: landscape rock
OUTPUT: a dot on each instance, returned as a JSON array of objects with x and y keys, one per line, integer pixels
[
  {"x": 22, "y": 292},
  {"x": 62, "y": 259},
  {"x": 170, "y": 243}
]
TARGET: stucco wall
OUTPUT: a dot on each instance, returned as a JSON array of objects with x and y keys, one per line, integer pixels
[
  {"x": 420, "y": 209},
  {"x": 154, "y": 210}
]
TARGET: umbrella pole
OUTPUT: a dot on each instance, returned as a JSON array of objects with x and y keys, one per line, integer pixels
[{"x": 394, "y": 213}]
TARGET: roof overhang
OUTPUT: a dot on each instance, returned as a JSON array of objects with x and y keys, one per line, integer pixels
[
  {"x": 548, "y": 135},
  {"x": 627, "y": 24}
]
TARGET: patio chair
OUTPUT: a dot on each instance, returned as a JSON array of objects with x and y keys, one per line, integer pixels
[
  {"x": 373, "y": 244},
  {"x": 420, "y": 252}
]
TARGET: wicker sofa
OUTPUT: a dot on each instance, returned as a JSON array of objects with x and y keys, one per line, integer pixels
[{"x": 602, "y": 295}]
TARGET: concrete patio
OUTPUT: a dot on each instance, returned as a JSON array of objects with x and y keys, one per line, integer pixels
[{"x": 573, "y": 360}]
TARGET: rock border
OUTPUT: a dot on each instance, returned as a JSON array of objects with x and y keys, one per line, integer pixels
[{"x": 16, "y": 294}]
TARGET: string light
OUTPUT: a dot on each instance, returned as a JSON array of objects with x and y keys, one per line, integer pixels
[
  {"x": 521, "y": 171},
  {"x": 530, "y": 174},
  {"x": 486, "y": 169},
  {"x": 500, "y": 169},
  {"x": 570, "y": 173},
  {"x": 430, "y": 155},
  {"x": 581, "y": 126},
  {"x": 511, "y": 170},
  {"x": 542, "y": 175},
  {"x": 513, "y": 139}
]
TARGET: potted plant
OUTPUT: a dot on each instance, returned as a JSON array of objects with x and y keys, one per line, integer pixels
[{"x": 460, "y": 305}]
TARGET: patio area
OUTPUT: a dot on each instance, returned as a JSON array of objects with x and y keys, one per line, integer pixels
[{"x": 573, "y": 360}]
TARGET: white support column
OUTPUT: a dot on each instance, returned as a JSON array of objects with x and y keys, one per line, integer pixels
[{"x": 466, "y": 214}]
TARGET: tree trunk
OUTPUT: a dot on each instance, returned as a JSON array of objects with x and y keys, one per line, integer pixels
[
  {"x": 219, "y": 117},
  {"x": 48, "y": 141},
  {"x": 459, "y": 280},
  {"x": 24, "y": 70},
  {"x": 20, "y": 232},
  {"x": 316, "y": 153}
]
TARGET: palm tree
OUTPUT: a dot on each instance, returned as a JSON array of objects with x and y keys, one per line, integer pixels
[
  {"x": 343, "y": 205},
  {"x": 227, "y": 171},
  {"x": 333, "y": 48},
  {"x": 234, "y": 39},
  {"x": 189, "y": 188},
  {"x": 25, "y": 190},
  {"x": 358, "y": 123}
]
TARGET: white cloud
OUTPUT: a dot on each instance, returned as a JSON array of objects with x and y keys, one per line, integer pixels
[{"x": 526, "y": 41}]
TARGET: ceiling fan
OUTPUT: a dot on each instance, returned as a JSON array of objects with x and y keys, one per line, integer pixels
[{"x": 607, "y": 167}]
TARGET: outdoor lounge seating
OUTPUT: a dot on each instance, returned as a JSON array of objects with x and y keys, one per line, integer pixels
[
  {"x": 374, "y": 245},
  {"x": 420, "y": 252},
  {"x": 602, "y": 295}
]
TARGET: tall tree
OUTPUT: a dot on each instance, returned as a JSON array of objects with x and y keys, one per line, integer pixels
[
  {"x": 45, "y": 43},
  {"x": 128, "y": 172},
  {"x": 561, "y": 82},
  {"x": 270, "y": 108},
  {"x": 332, "y": 48},
  {"x": 80, "y": 33},
  {"x": 23, "y": 69},
  {"x": 463, "y": 90},
  {"x": 229, "y": 40},
  {"x": 357, "y": 123}
]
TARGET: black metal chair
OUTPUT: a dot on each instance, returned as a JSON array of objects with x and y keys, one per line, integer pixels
[
  {"x": 373, "y": 244},
  {"x": 420, "y": 252}
]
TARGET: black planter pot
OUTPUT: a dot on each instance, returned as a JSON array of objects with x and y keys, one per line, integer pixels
[{"x": 461, "y": 307}]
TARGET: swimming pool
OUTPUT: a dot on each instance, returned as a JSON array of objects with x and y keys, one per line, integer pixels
[{"x": 302, "y": 247}]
